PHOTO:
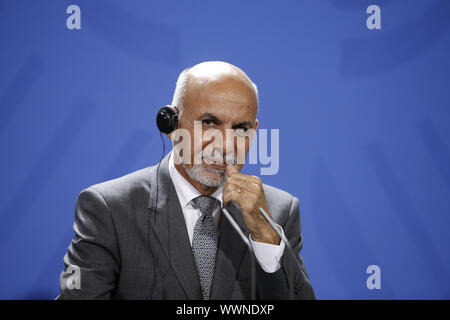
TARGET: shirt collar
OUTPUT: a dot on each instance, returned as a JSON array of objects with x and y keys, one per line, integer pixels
[{"x": 185, "y": 190}]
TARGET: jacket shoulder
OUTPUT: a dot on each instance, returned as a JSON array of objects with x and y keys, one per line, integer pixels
[
  {"x": 280, "y": 202},
  {"x": 125, "y": 187}
]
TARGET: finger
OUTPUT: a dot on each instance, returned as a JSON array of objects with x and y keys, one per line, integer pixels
[
  {"x": 231, "y": 195},
  {"x": 245, "y": 179},
  {"x": 243, "y": 186},
  {"x": 232, "y": 187},
  {"x": 240, "y": 198}
]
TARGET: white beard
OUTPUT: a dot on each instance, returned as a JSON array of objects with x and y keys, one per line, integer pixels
[
  {"x": 204, "y": 174},
  {"x": 209, "y": 177}
]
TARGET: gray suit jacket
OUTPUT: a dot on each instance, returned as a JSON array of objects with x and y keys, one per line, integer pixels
[{"x": 131, "y": 242}]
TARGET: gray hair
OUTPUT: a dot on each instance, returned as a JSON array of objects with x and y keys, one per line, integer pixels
[{"x": 180, "y": 90}]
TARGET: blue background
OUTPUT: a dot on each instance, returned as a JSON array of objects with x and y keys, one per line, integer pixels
[{"x": 363, "y": 118}]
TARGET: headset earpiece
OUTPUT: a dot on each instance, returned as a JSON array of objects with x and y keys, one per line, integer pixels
[{"x": 166, "y": 119}]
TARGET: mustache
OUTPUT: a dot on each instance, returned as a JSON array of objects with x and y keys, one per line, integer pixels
[{"x": 218, "y": 157}]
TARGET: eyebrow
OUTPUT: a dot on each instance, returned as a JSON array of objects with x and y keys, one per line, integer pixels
[
  {"x": 243, "y": 124},
  {"x": 211, "y": 116}
]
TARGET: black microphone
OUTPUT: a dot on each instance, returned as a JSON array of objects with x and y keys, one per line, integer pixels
[
  {"x": 284, "y": 239},
  {"x": 244, "y": 238}
]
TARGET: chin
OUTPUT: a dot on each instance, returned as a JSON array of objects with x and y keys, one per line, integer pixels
[
  {"x": 206, "y": 176},
  {"x": 212, "y": 180}
]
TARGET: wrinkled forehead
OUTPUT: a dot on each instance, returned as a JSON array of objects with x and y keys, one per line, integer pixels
[{"x": 228, "y": 93}]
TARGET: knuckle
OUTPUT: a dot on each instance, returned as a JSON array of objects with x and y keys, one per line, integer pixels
[
  {"x": 233, "y": 174},
  {"x": 232, "y": 179},
  {"x": 257, "y": 179}
]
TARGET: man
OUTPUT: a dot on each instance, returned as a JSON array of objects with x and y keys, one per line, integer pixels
[{"x": 160, "y": 233}]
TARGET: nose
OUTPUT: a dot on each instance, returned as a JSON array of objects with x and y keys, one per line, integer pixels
[
  {"x": 223, "y": 142},
  {"x": 229, "y": 141}
]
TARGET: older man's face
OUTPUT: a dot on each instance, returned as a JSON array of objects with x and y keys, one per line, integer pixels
[{"x": 228, "y": 103}]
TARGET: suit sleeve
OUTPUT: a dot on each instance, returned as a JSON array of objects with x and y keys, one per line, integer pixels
[
  {"x": 92, "y": 259},
  {"x": 291, "y": 280}
]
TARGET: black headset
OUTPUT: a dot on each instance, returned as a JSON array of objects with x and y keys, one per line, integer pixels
[{"x": 167, "y": 119}]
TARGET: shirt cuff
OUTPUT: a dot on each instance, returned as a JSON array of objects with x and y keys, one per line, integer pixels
[{"x": 268, "y": 255}]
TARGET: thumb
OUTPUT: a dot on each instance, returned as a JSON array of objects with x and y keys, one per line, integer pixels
[{"x": 231, "y": 169}]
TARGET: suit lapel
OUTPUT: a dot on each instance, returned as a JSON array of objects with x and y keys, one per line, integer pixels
[{"x": 167, "y": 221}]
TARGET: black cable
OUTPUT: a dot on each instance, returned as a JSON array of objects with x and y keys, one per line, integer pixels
[
  {"x": 155, "y": 265},
  {"x": 155, "y": 256},
  {"x": 157, "y": 171}
]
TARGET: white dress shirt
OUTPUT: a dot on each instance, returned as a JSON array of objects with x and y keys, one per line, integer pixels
[{"x": 267, "y": 255}]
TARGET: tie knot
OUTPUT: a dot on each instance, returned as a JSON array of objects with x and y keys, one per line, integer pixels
[{"x": 206, "y": 204}]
